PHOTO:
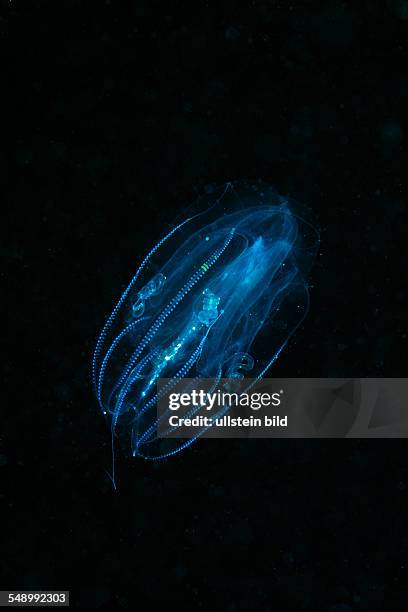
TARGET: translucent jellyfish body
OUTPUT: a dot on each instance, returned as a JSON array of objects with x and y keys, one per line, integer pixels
[{"x": 217, "y": 297}]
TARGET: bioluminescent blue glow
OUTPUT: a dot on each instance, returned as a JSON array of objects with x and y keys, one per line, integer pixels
[{"x": 217, "y": 297}]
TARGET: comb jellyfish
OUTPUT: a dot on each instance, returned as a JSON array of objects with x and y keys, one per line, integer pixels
[{"x": 228, "y": 291}]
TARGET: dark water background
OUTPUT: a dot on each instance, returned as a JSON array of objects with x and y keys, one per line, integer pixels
[{"x": 119, "y": 114}]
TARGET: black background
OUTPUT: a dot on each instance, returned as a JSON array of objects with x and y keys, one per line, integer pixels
[{"x": 119, "y": 115}]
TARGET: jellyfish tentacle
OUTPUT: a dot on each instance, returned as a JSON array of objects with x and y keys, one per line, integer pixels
[{"x": 110, "y": 351}]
